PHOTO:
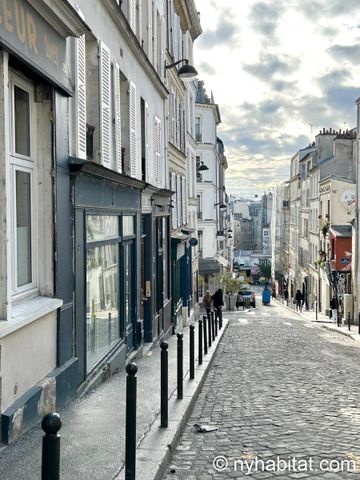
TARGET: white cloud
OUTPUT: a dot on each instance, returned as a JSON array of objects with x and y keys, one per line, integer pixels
[{"x": 274, "y": 69}]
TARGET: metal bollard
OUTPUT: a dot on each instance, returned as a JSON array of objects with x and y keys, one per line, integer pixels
[
  {"x": 179, "y": 366},
  {"x": 205, "y": 335},
  {"x": 359, "y": 323},
  {"x": 50, "y": 465},
  {"x": 192, "y": 352},
  {"x": 213, "y": 326},
  {"x": 209, "y": 330},
  {"x": 349, "y": 321},
  {"x": 164, "y": 372},
  {"x": 200, "y": 341},
  {"x": 130, "y": 432},
  {"x": 338, "y": 319},
  {"x": 216, "y": 323}
]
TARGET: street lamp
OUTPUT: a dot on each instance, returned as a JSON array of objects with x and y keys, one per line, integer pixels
[
  {"x": 202, "y": 167},
  {"x": 187, "y": 72},
  {"x": 222, "y": 205}
]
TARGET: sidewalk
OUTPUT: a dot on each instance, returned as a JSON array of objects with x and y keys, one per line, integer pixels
[
  {"x": 93, "y": 432},
  {"x": 326, "y": 322}
]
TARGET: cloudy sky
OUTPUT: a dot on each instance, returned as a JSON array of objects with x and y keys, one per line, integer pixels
[{"x": 279, "y": 70}]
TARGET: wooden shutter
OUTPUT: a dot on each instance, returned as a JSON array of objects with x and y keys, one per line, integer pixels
[
  {"x": 178, "y": 199},
  {"x": 155, "y": 35},
  {"x": 157, "y": 142},
  {"x": 183, "y": 200},
  {"x": 132, "y": 15},
  {"x": 105, "y": 105},
  {"x": 134, "y": 167},
  {"x": 150, "y": 31},
  {"x": 149, "y": 170},
  {"x": 80, "y": 97},
  {"x": 117, "y": 116},
  {"x": 174, "y": 201}
]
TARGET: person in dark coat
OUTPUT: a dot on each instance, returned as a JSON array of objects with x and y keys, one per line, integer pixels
[
  {"x": 334, "y": 305},
  {"x": 218, "y": 299},
  {"x": 286, "y": 295},
  {"x": 299, "y": 300}
]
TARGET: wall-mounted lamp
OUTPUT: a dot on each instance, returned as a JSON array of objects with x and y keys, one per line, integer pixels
[
  {"x": 222, "y": 205},
  {"x": 202, "y": 167},
  {"x": 187, "y": 72}
]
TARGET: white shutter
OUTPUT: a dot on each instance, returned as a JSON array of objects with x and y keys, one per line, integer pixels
[
  {"x": 149, "y": 170},
  {"x": 150, "y": 32},
  {"x": 178, "y": 199},
  {"x": 134, "y": 167},
  {"x": 105, "y": 105},
  {"x": 173, "y": 113},
  {"x": 183, "y": 200},
  {"x": 174, "y": 201},
  {"x": 80, "y": 97},
  {"x": 117, "y": 116},
  {"x": 155, "y": 35},
  {"x": 132, "y": 15},
  {"x": 157, "y": 141},
  {"x": 140, "y": 20}
]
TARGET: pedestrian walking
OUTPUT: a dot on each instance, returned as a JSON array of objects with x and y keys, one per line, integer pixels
[
  {"x": 286, "y": 295},
  {"x": 218, "y": 299},
  {"x": 299, "y": 298},
  {"x": 334, "y": 305},
  {"x": 207, "y": 302}
]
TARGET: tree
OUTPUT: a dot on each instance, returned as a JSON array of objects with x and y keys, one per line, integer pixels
[{"x": 266, "y": 270}]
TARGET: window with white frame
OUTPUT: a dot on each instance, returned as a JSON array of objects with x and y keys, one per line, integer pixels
[
  {"x": 22, "y": 172},
  {"x": 198, "y": 133}
]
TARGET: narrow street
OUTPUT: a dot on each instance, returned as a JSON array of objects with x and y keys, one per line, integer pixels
[{"x": 280, "y": 387}]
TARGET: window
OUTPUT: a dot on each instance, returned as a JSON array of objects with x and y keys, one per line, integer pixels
[
  {"x": 110, "y": 280},
  {"x": 23, "y": 274},
  {"x": 198, "y": 134}
]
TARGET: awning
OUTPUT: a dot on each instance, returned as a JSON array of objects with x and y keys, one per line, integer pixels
[
  {"x": 222, "y": 261},
  {"x": 208, "y": 266}
]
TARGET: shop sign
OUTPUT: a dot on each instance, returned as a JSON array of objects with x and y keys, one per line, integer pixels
[{"x": 24, "y": 32}]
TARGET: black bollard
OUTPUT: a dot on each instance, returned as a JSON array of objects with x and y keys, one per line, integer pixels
[
  {"x": 213, "y": 326},
  {"x": 179, "y": 366},
  {"x": 192, "y": 352},
  {"x": 209, "y": 330},
  {"x": 50, "y": 465},
  {"x": 359, "y": 323},
  {"x": 164, "y": 385},
  {"x": 338, "y": 319},
  {"x": 200, "y": 341},
  {"x": 216, "y": 323},
  {"x": 205, "y": 335},
  {"x": 130, "y": 432},
  {"x": 349, "y": 321}
]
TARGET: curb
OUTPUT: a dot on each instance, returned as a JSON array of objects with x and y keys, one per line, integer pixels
[{"x": 155, "y": 451}]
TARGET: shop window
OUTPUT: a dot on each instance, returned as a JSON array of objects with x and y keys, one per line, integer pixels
[{"x": 102, "y": 286}]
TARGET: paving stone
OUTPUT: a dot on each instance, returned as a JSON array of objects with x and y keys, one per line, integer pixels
[{"x": 275, "y": 391}]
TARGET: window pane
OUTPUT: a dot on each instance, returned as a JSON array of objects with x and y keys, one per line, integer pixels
[
  {"x": 128, "y": 282},
  {"x": 23, "y": 228},
  {"x": 101, "y": 227},
  {"x": 102, "y": 293},
  {"x": 22, "y": 121},
  {"x": 128, "y": 225}
]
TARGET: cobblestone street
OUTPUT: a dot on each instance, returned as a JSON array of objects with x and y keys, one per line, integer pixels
[{"x": 279, "y": 386}]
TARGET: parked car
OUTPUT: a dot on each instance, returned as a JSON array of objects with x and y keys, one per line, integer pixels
[{"x": 245, "y": 297}]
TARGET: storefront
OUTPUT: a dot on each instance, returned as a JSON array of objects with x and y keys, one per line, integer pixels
[
  {"x": 107, "y": 267},
  {"x": 34, "y": 73}
]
